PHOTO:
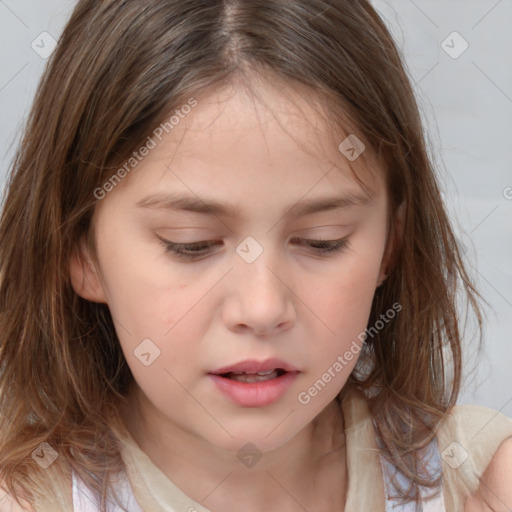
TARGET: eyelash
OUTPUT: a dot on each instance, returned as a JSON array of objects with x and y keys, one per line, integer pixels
[{"x": 321, "y": 246}]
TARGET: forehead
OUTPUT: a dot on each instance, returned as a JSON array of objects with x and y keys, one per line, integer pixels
[
  {"x": 276, "y": 115},
  {"x": 236, "y": 140}
]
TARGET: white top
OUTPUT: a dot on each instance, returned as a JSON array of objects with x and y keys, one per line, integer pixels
[
  {"x": 466, "y": 440},
  {"x": 84, "y": 501}
]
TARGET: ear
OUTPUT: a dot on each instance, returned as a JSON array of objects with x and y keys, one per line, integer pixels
[
  {"x": 84, "y": 275},
  {"x": 395, "y": 240}
]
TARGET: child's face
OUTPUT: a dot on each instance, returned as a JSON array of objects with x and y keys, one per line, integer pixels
[{"x": 292, "y": 302}]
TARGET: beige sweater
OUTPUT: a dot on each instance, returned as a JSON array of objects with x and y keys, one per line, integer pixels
[{"x": 476, "y": 431}]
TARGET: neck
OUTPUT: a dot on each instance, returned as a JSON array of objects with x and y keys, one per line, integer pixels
[{"x": 308, "y": 471}]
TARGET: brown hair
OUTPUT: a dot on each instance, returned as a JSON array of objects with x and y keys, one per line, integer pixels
[{"x": 118, "y": 70}]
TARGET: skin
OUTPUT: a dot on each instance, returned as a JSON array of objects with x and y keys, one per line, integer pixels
[
  {"x": 495, "y": 492},
  {"x": 220, "y": 310}
]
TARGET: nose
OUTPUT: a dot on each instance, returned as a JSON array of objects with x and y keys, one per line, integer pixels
[{"x": 260, "y": 298}]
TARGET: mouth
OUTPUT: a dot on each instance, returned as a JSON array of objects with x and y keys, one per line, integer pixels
[
  {"x": 253, "y": 367},
  {"x": 254, "y": 377},
  {"x": 254, "y": 383}
]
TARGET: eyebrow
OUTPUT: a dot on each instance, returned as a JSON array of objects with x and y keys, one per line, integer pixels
[{"x": 210, "y": 206}]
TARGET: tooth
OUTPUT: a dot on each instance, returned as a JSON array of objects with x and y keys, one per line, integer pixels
[
  {"x": 257, "y": 373},
  {"x": 249, "y": 378}
]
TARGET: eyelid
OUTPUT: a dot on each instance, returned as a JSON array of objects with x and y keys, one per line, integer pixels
[
  {"x": 323, "y": 246},
  {"x": 187, "y": 245}
]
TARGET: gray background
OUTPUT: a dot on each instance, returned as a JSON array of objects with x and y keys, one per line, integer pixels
[{"x": 466, "y": 103}]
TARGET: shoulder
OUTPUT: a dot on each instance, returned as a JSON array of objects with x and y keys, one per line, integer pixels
[
  {"x": 495, "y": 492},
  {"x": 476, "y": 447},
  {"x": 472, "y": 416},
  {"x": 9, "y": 504},
  {"x": 480, "y": 429}
]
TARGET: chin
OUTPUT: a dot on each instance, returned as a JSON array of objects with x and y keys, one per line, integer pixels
[{"x": 264, "y": 435}]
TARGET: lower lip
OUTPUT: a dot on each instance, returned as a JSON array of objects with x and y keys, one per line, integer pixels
[{"x": 255, "y": 394}]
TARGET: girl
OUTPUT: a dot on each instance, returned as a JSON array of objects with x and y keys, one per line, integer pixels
[{"x": 227, "y": 276}]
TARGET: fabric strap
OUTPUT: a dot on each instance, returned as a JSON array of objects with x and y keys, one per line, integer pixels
[{"x": 432, "y": 462}]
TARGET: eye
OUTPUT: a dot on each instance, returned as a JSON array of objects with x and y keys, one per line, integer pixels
[
  {"x": 188, "y": 251},
  {"x": 325, "y": 246},
  {"x": 195, "y": 250}
]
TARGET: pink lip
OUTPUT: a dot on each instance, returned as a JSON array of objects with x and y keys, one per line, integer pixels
[
  {"x": 254, "y": 366},
  {"x": 255, "y": 394}
]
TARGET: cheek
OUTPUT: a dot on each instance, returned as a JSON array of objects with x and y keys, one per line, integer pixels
[
  {"x": 349, "y": 290},
  {"x": 158, "y": 308},
  {"x": 138, "y": 282},
  {"x": 151, "y": 301},
  {"x": 343, "y": 302},
  {"x": 344, "y": 308}
]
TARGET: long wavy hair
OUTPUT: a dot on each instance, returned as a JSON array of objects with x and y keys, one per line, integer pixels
[{"x": 119, "y": 69}]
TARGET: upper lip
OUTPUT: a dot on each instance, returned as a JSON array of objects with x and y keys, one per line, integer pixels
[{"x": 255, "y": 366}]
